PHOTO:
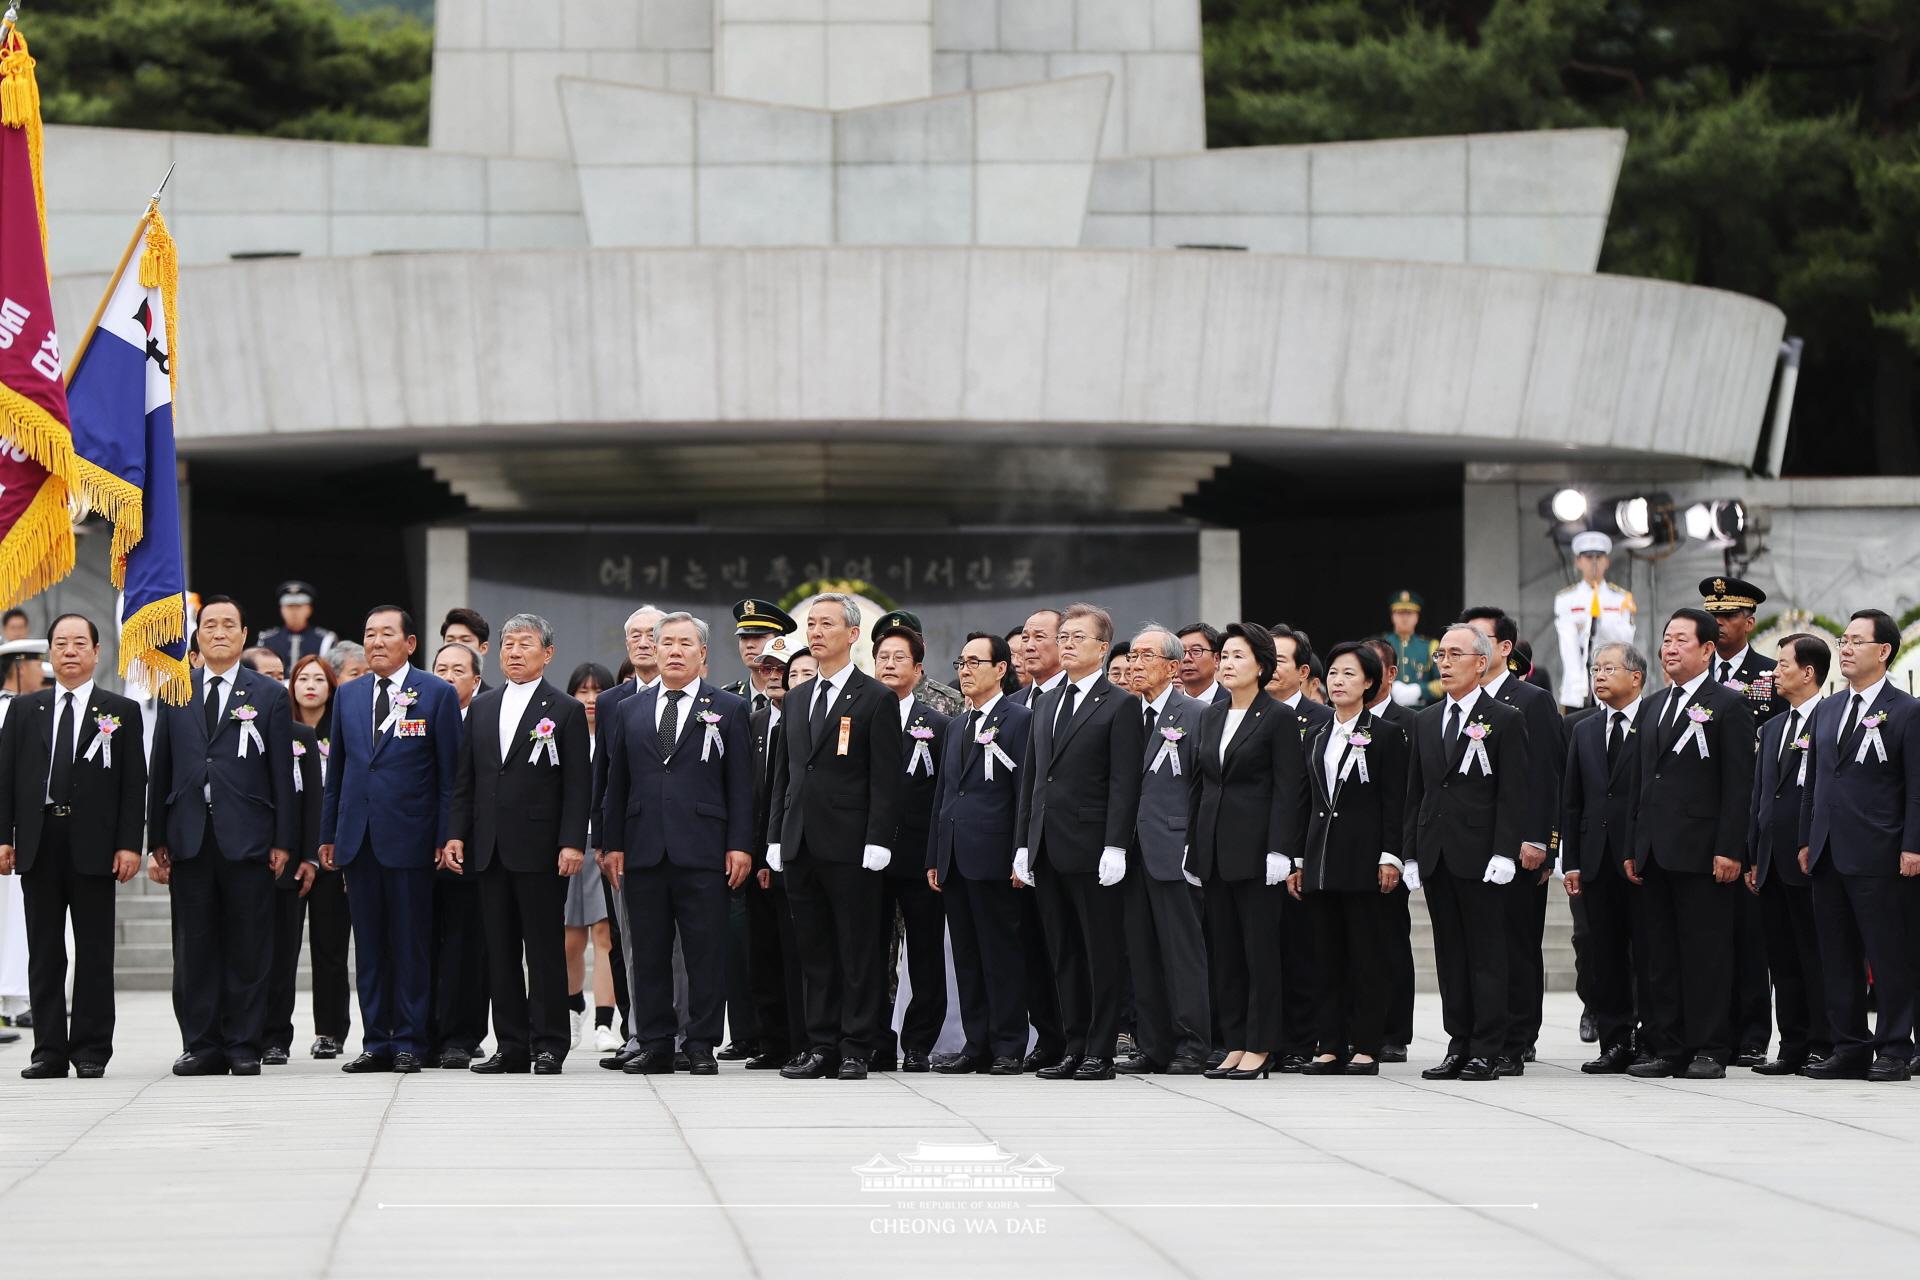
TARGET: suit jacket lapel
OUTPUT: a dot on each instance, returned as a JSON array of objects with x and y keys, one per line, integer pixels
[
  {"x": 689, "y": 714},
  {"x": 841, "y": 701},
  {"x": 1317, "y": 761},
  {"x": 1851, "y": 747},
  {"x": 1459, "y": 752},
  {"x": 399, "y": 687},
  {"x": 1262, "y": 705},
  {"x": 88, "y": 727},
  {"x": 1097, "y": 693}
]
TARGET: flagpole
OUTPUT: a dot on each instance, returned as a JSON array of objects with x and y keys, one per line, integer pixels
[{"x": 86, "y": 336}]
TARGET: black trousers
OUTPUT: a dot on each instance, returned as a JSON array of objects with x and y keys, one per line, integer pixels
[
  {"x": 1167, "y": 955},
  {"x": 52, "y": 889},
  {"x": 774, "y": 961},
  {"x": 1867, "y": 921},
  {"x": 742, "y": 1015},
  {"x": 692, "y": 902},
  {"x": 1470, "y": 951},
  {"x": 1299, "y": 992},
  {"x": 1751, "y": 1013},
  {"x": 989, "y": 964},
  {"x": 1793, "y": 959},
  {"x": 457, "y": 1016},
  {"x": 925, "y": 916},
  {"x": 1608, "y": 955},
  {"x": 289, "y": 922},
  {"x": 525, "y": 916},
  {"x": 1245, "y": 920},
  {"x": 834, "y": 905},
  {"x": 1349, "y": 933},
  {"x": 1689, "y": 932},
  {"x": 1086, "y": 938},
  {"x": 329, "y": 928},
  {"x": 616, "y": 956},
  {"x": 223, "y": 913},
  {"x": 1526, "y": 966},
  {"x": 1043, "y": 992},
  {"x": 1399, "y": 944}
]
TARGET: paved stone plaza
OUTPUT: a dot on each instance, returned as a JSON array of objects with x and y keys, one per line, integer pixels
[{"x": 307, "y": 1172}]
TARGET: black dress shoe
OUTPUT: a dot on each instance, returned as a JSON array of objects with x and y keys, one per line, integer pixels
[
  {"x": 274, "y": 1057},
  {"x": 1655, "y": 1069},
  {"x": 1215, "y": 1058},
  {"x": 852, "y": 1069},
  {"x": 1749, "y": 1056},
  {"x": 735, "y": 1053},
  {"x": 456, "y": 1059},
  {"x": 1589, "y": 1029},
  {"x": 1252, "y": 1073},
  {"x": 1061, "y": 1070},
  {"x": 1780, "y": 1067},
  {"x": 1391, "y": 1053},
  {"x": 650, "y": 1062},
  {"x": 1705, "y": 1068},
  {"x": 1292, "y": 1063},
  {"x": 1527, "y": 1054},
  {"x": 50, "y": 1071},
  {"x": 959, "y": 1064},
  {"x": 1138, "y": 1065},
  {"x": 1185, "y": 1064},
  {"x": 618, "y": 1060},
  {"x": 501, "y": 1064},
  {"x": 199, "y": 1064},
  {"x": 1094, "y": 1069},
  {"x": 244, "y": 1067},
  {"x": 1509, "y": 1066},
  {"x": 324, "y": 1047},
  {"x": 1363, "y": 1068},
  {"x": 1838, "y": 1066},
  {"x": 1007, "y": 1066},
  {"x": 1331, "y": 1067},
  {"x": 700, "y": 1062},
  {"x": 545, "y": 1063},
  {"x": 1611, "y": 1062},
  {"x": 89, "y": 1070},
  {"x": 1041, "y": 1058},
  {"x": 405, "y": 1064},
  {"x": 1890, "y": 1067},
  {"x": 367, "y": 1063},
  {"x": 769, "y": 1061},
  {"x": 814, "y": 1064},
  {"x": 1479, "y": 1069},
  {"x": 1449, "y": 1068},
  {"x": 914, "y": 1062}
]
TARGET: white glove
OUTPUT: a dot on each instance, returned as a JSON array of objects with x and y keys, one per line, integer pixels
[
  {"x": 1279, "y": 867},
  {"x": 1499, "y": 870},
  {"x": 1410, "y": 875},
  {"x": 1113, "y": 865},
  {"x": 1405, "y": 694},
  {"x": 876, "y": 857},
  {"x": 773, "y": 857},
  {"x": 1023, "y": 866}
]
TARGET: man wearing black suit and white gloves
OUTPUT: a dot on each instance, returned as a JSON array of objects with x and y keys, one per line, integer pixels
[
  {"x": 1166, "y": 944},
  {"x": 835, "y": 809},
  {"x": 1860, "y": 837},
  {"x": 72, "y": 794},
  {"x": 1774, "y": 873},
  {"x": 1467, "y": 807},
  {"x": 679, "y": 808},
  {"x": 222, "y": 820},
  {"x": 1689, "y": 849},
  {"x": 1078, "y": 804},
  {"x": 521, "y": 793}
]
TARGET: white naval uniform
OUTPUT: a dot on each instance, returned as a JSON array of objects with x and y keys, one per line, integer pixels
[{"x": 1585, "y": 618}]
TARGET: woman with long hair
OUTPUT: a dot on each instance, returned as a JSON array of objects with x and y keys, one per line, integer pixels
[
  {"x": 311, "y": 685},
  {"x": 588, "y": 906}
]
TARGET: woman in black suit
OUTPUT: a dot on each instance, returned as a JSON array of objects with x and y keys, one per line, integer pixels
[
  {"x": 1357, "y": 764},
  {"x": 1247, "y": 823}
]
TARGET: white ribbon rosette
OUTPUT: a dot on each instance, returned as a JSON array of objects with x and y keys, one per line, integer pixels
[
  {"x": 401, "y": 701},
  {"x": 1477, "y": 734},
  {"x": 542, "y": 735},
  {"x": 299, "y": 752},
  {"x": 922, "y": 750},
  {"x": 711, "y": 744},
  {"x": 1169, "y": 753},
  {"x": 102, "y": 748},
  {"x": 1802, "y": 744},
  {"x": 1697, "y": 719},
  {"x": 1872, "y": 742},
  {"x": 986, "y": 738},
  {"x": 1357, "y": 756},
  {"x": 249, "y": 731}
]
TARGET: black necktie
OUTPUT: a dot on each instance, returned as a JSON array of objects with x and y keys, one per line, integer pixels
[
  {"x": 1674, "y": 700},
  {"x": 1793, "y": 731},
  {"x": 973, "y": 732},
  {"x": 213, "y": 706},
  {"x": 1453, "y": 726},
  {"x": 1148, "y": 717},
  {"x": 670, "y": 722},
  {"x": 759, "y": 703},
  {"x": 1853, "y": 718},
  {"x": 60, "y": 778},
  {"x": 822, "y": 700},
  {"x": 1065, "y": 717},
  {"x": 382, "y": 705},
  {"x": 1616, "y": 734},
  {"x": 1726, "y": 671}
]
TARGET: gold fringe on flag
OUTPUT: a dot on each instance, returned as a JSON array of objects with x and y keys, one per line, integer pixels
[
  {"x": 38, "y": 551},
  {"x": 20, "y": 109},
  {"x": 141, "y": 657}
]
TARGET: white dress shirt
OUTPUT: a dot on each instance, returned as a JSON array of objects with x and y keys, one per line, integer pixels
[
  {"x": 1466, "y": 706},
  {"x": 1337, "y": 747},
  {"x": 514, "y": 699},
  {"x": 397, "y": 685},
  {"x": 1159, "y": 704},
  {"x": 906, "y": 711},
  {"x": 985, "y": 709},
  {"x": 1688, "y": 689},
  {"x": 1234, "y": 716},
  {"x": 682, "y": 713},
  {"x": 1085, "y": 685},
  {"x": 81, "y": 694},
  {"x": 226, "y": 679},
  {"x": 1733, "y": 664},
  {"x": 827, "y": 687},
  {"x": 1048, "y": 685},
  {"x": 1208, "y": 694},
  {"x": 1846, "y": 696}
]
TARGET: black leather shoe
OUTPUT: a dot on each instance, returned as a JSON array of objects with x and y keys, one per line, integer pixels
[
  {"x": 1749, "y": 1056},
  {"x": 1705, "y": 1068},
  {"x": 1007, "y": 1066},
  {"x": 199, "y": 1064},
  {"x": 915, "y": 1062},
  {"x": 456, "y": 1059},
  {"x": 1509, "y": 1066},
  {"x": 1392, "y": 1053},
  {"x": 1363, "y": 1068},
  {"x": 814, "y": 1064},
  {"x": 501, "y": 1064},
  {"x": 1838, "y": 1066},
  {"x": 57, "y": 1071},
  {"x": 405, "y": 1064},
  {"x": 1260, "y": 1072},
  {"x": 735, "y": 1053},
  {"x": 852, "y": 1069},
  {"x": 1330, "y": 1067},
  {"x": 1611, "y": 1062},
  {"x": 324, "y": 1047},
  {"x": 700, "y": 1062},
  {"x": 274, "y": 1057},
  {"x": 1780, "y": 1067},
  {"x": 617, "y": 1061},
  {"x": 1479, "y": 1069},
  {"x": 546, "y": 1064},
  {"x": 650, "y": 1062},
  {"x": 1449, "y": 1068},
  {"x": 1889, "y": 1067},
  {"x": 1655, "y": 1069},
  {"x": 1061, "y": 1070},
  {"x": 1527, "y": 1054},
  {"x": 89, "y": 1070},
  {"x": 367, "y": 1063},
  {"x": 959, "y": 1064},
  {"x": 767, "y": 1062},
  {"x": 1215, "y": 1058},
  {"x": 1292, "y": 1063},
  {"x": 883, "y": 1062},
  {"x": 1041, "y": 1058},
  {"x": 1185, "y": 1065},
  {"x": 1138, "y": 1065},
  {"x": 680, "y": 1061},
  {"x": 244, "y": 1067},
  {"x": 1094, "y": 1069},
  {"x": 1589, "y": 1029}
]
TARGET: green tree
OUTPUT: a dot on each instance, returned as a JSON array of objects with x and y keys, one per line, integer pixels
[
  {"x": 1771, "y": 150},
  {"x": 282, "y": 68}
]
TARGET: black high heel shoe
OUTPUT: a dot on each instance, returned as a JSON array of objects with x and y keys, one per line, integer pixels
[
  {"x": 1257, "y": 1073},
  {"x": 1331, "y": 1067},
  {"x": 1219, "y": 1073}
]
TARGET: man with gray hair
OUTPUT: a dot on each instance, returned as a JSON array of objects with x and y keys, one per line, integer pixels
[
  {"x": 520, "y": 803},
  {"x": 1596, "y": 809}
]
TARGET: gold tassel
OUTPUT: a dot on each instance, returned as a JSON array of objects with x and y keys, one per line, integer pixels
[
  {"x": 38, "y": 551},
  {"x": 20, "y": 109},
  {"x": 158, "y": 623},
  {"x": 160, "y": 269}
]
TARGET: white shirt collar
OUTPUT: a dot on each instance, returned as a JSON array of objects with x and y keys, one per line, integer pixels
[
  {"x": 906, "y": 710},
  {"x": 1380, "y": 706},
  {"x": 1867, "y": 695},
  {"x": 1734, "y": 663},
  {"x": 1160, "y": 704},
  {"x": 1631, "y": 711},
  {"x": 1294, "y": 701},
  {"x": 986, "y": 708},
  {"x": 229, "y": 675},
  {"x": 1465, "y": 704},
  {"x": 82, "y": 693},
  {"x": 1805, "y": 709},
  {"x": 1051, "y": 683},
  {"x": 1492, "y": 686},
  {"x": 399, "y": 677},
  {"x": 1693, "y": 686},
  {"x": 1206, "y": 695},
  {"x": 1085, "y": 683},
  {"x": 1345, "y": 728}
]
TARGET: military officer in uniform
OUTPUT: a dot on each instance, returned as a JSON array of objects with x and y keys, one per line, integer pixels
[
  {"x": 296, "y": 637},
  {"x": 756, "y": 623},
  {"x": 1418, "y": 681},
  {"x": 1589, "y": 615}
]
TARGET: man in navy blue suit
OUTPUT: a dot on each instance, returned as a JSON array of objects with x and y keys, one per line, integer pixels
[
  {"x": 395, "y": 755},
  {"x": 679, "y": 816},
  {"x": 1860, "y": 837},
  {"x": 223, "y": 820}
]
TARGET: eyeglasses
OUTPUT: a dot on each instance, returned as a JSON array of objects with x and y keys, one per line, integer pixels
[
  {"x": 1075, "y": 637},
  {"x": 972, "y": 664},
  {"x": 1196, "y": 650},
  {"x": 1457, "y": 655},
  {"x": 1608, "y": 670},
  {"x": 1856, "y": 642}
]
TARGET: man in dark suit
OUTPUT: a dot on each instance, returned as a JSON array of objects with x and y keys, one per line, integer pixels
[
  {"x": 1733, "y": 603},
  {"x": 387, "y": 816},
  {"x": 772, "y": 954},
  {"x": 680, "y": 801},
  {"x": 457, "y": 1010},
  {"x": 969, "y": 860},
  {"x": 1199, "y": 661},
  {"x": 1527, "y": 903},
  {"x": 1292, "y": 667},
  {"x": 899, "y": 662},
  {"x": 834, "y": 813},
  {"x": 1598, "y": 792},
  {"x": 222, "y": 820},
  {"x": 519, "y": 825},
  {"x": 1078, "y": 803},
  {"x": 1399, "y": 931},
  {"x": 72, "y": 785},
  {"x": 290, "y": 890},
  {"x": 1166, "y": 945},
  {"x": 1774, "y": 871},
  {"x": 1689, "y": 849},
  {"x": 1037, "y": 650},
  {"x": 1467, "y": 807},
  {"x": 1860, "y": 843}
]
